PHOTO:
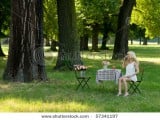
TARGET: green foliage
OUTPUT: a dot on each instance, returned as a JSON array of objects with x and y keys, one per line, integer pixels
[
  {"x": 146, "y": 14},
  {"x": 90, "y": 12},
  {"x": 136, "y": 31},
  {"x": 94, "y": 11},
  {"x": 59, "y": 94},
  {"x": 50, "y": 19},
  {"x": 4, "y": 17}
]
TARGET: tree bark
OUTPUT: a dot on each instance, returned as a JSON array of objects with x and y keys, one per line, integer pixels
[
  {"x": 54, "y": 44},
  {"x": 106, "y": 29},
  {"x": 121, "y": 40},
  {"x": 47, "y": 42},
  {"x": 145, "y": 41},
  {"x": 13, "y": 70},
  {"x": 39, "y": 41},
  {"x": 104, "y": 42},
  {"x": 26, "y": 57},
  {"x": 84, "y": 42},
  {"x": 95, "y": 30},
  {"x": 69, "y": 44}
]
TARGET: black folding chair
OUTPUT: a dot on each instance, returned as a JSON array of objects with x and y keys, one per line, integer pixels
[
  {"x": 81, "y": 78},
  {"x": 134, "y": 86}
]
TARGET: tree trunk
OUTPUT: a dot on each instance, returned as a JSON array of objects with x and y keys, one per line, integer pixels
[
  {"x": 104, "y": 42},
  {"x": 145, "y": 41},
  {"x": 39, "y": 41},
  {"x": 158, "y": 41},
  {"x": 84, "y": 42},
  {"x": 106, "y": 30},
  {"x": 47, "y": 42},
  {"x": 26, "y": 57},
  {"x": 1, "y": 51},
  {"x": 13, "y": 70},
  {"x": 54, "y": 44},
  {"x": 140, "y": 40},
  {"x": 121, "y": 40},
  {"x": 95, "y": 29},
  {"x": 69, "y": 44}
]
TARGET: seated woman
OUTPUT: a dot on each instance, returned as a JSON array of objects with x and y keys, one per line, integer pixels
[{"x": 132, "y": 68}]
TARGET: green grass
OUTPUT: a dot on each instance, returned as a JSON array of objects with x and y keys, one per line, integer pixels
[{"x": 59, "y": 94}]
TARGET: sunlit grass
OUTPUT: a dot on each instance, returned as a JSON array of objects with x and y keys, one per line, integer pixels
[
  {"x": 20, "y": 105},
  {"x": 154, "y": 60}
]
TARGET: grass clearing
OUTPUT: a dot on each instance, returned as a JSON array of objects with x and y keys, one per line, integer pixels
[{"x": 59, "y": 94}]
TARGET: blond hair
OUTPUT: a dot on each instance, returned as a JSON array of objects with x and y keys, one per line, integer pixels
[
  {"x": 129, "y": 59},
  {"x": 133, "y": 55}
]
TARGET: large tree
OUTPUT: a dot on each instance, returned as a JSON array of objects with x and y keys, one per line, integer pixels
[
  {"x": 26, "y": 59},
  {"x": 69, "y": 48},
  {"x": 121, "y": 40}
]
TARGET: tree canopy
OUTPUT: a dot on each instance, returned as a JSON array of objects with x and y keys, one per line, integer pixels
[
  {"x": 50, "y": 19},
  {"x": 146, "y": 15}
]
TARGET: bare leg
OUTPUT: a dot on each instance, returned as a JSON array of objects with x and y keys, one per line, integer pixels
[
  {"x": 126, "y": 87},
  {"x": 120, "y": 86}
]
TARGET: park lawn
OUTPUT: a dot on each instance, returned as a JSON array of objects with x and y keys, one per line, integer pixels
[{"x": 59, "y": 94}]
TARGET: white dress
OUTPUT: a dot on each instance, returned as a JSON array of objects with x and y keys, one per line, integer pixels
[{"x": 130, "y": 70}]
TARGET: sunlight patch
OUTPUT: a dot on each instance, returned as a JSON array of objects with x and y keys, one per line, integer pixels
[
  {"x": 18, "y": 105},
  {"x": 154, "y": 60}
]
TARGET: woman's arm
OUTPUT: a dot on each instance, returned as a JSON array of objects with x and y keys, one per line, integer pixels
[
  {"x": 124, "y": 62},
  {"x": 136, "y": 67}
]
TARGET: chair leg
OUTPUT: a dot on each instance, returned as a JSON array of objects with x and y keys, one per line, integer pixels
[
  {"x": 86, "y": 83},
  {"x": 83, "y": 82},
  {"x": 131, "y": 86},
  {"x": 134, "y": 88},
  {"x": 79, "y": 83}
]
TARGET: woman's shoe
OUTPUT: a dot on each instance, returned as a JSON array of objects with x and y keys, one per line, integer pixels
[
  {"x": 126, "y": 94},
  {"x": 119, "y": 94}
]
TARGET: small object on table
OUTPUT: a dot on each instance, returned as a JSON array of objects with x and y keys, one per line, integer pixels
[
  {"x": 81, "y": 69},
  {"x": 105, "y": 64},
  {"x": 113, "y": 67}
]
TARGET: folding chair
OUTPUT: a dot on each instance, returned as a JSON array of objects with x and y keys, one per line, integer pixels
[
  {"x": 134, "y": 86},
  {"x": 81, "y": 78}
]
